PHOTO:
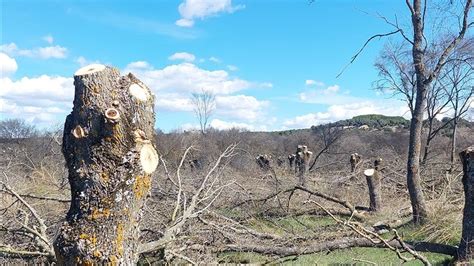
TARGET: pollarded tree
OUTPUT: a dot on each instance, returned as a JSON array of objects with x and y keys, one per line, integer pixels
[{"x": 108, "y": 151}]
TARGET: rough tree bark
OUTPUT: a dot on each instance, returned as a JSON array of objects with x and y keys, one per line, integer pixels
[
  {"x": 420, "y": 214},
  {"x": 453, "y": 144},
  {"x": 466, "y": 247},
  {"x": 302, "y": 159},
  {"x": 354, "y": 160},
  {"x": 108, "y": 151},
  {"x": 375, "y": 186}
]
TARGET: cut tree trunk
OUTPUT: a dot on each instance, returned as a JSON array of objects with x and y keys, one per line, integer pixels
[
  {"x": 466, "y": 247},
  {"x": 453, "y": 144},
  {"x": 375, "y": 187},
  {"x": 110, "y": 157}
]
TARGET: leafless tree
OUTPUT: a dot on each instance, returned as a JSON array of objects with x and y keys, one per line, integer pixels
[
  {"x": 329, "y": 135},
  {"x": 427, "y": 62},
  {"x": 436, "y": 102},
  {"x": 459, "y": 86},
  {"x": 396, "y": 73},
  {"x": 16, "y": 129},
  {"x": 204, "y": 104}
]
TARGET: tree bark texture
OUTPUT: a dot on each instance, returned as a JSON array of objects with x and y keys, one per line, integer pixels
[
  {"x": 466, "y": 247},
  {"x": 453, "y": 142},
  {"x": 415, "y": 190},
  {"x": 375, "y": 187},
  {"x": 110, "y": 158},
  {"x": 302, "y": 159}
]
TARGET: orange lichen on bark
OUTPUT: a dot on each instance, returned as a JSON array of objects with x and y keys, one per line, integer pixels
[
  {"x": 141, "y": 186},
  {"x": 96, "y": 89},
  {"x": 99, "y": 213},
  {"x": 113, "y": 260},
  {"x": 119, "y": 239},
  {"x": 91, "y": 239},
  {"x": 105, "y": 177},
  {"x": 97, "y": 253}
]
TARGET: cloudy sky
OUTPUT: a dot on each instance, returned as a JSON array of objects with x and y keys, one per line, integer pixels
[{"x": 271, "y": 64}]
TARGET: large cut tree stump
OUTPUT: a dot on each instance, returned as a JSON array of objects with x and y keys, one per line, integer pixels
[
  {"x": 466, "y": 247},
  {"x": 108, "y": 151}
]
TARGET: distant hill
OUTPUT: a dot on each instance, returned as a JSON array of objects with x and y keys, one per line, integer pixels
[{"x": 374, "y": 121}]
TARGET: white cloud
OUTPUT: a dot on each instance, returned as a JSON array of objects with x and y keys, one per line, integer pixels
[
  {"x": 139, "y": 65},
  {"x": 188, "y": 78},
  {"x": 190, "y": 10},
  {"x": 8, "y": 65},
  {"x": 232, "y": 68},
  {"x": 49, "y": 98},
  {"x": 331, "y": 89},
  {"x": 39, "y": 100},
  {"x": 329, "y": 96},
  {"x": 311, "y": 82},
  {"x": 185, "y": 23},
  {"x": 47, "y": 52},
  {"x": 173, "y": 102},
  {"x": 48, "y": 38},
  {"x": 242, "y": 107},
  {"x": 182, "y": 56},
  {"x": 174, "y": 84},
  {"x": 224, "y": 125},
  {"x": 82, "y": 61},
  {"x": 345, "y": 111},
  {"x": 43, "y": 91},
  {"x": 214, "y": 59}
]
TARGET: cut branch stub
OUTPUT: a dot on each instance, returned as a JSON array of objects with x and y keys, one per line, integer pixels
[
  {"x": 466, "y": 247},
  {"x": 112, "y": 115},
  {"x": 109, "y": 168},
  {"x": 78, "y": 132},
  {"x": 369, "y": 172},
  {"x": 139, "y": 92}
]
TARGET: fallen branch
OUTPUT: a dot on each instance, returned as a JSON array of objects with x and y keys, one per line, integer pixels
[
  {"x": 377, "y": 239},
  {"x": 8, "y": 252},
  {"x": 344, "y": 203},
  {"x": 341, "y": 243}
]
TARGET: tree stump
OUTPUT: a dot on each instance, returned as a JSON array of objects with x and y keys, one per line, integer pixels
[
  {"x": 466, "y": 247},
  {"x": 375, "y": 187},
  {"x": 302, "y": 159},
  {"x": 354, "y": 160},
  {"x": 110, "y": 157}
]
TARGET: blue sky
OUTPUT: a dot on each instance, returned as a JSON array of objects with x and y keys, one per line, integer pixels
[{"x": 271, "y": 64}]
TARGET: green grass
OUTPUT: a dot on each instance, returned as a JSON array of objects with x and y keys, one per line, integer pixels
[
  {"x": 444, "y": 234},
  {"x": 299, "y": 224},
  {"x": 352, "y": 256}
]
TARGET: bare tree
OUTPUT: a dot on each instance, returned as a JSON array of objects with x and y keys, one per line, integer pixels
[
  {"x": 204, "y": 104},
  {"x": 436, "y": 102},
  {"x": 329, "y": 135},
  {"x": 16, "y": 129},
  {"x": 427, "y": 62},
  {"x": 396, "y": 73},
  {"x": 459, "y": 86}
]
